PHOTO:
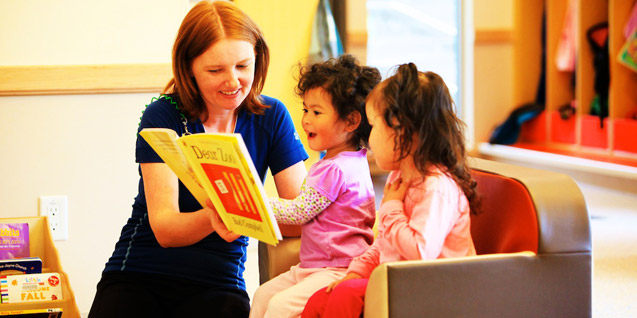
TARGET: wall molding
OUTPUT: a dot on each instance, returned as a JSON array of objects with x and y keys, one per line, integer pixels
[
  {"x": 83, "y": 79},
  {"x": 357, "y": 37},
  {"x": 135, "y": 78},
  {"x": 482, "y": 36},
  {"x": 493, "y": 36}
]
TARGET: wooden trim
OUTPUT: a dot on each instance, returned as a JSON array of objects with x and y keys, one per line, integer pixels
[
  {"x": 357, "y": 38},
  {"x": 83, "y": 79},
  {"x": 132, "y": 78},
  {"x": 493, "y": 36},
  {"x": 483, "y": 36}
]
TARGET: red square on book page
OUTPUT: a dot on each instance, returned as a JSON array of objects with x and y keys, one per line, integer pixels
[{"x": 232, "y": 190}]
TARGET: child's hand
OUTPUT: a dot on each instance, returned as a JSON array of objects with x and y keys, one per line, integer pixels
[
  {"x": 331, "y": 286},
  {"x": 219, "y": 226},
  {"x": 395, "y": 190}
]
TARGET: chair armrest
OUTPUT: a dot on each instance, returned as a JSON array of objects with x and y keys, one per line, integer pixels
[
  {"x": 496, "y": 285},
  {"x": 562, "y": 214},
  {"x": 274, "y": 260}
]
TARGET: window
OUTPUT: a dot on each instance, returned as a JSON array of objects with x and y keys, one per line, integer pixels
[{"x": 425, "y": 32}]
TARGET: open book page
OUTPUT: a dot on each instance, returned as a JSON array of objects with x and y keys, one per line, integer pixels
[
  {"x": 219, "y": 167},
  {"x": 164, "y": 142},
  {"x": 258, "y": 186},
  {"x": 226, "y": 171}
]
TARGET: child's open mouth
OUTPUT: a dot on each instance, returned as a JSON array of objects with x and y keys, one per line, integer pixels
[{"x": 311, "y": 135}]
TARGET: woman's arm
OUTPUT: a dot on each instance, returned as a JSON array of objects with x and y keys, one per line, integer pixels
[
  {"x": 288, "y": 185},
  {"x": 171, "y": 228},
  {"x": 289, "y": 181}
]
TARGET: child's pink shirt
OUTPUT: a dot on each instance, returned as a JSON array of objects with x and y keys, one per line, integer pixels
[
  {"x": 344, "y": 229},
  {"x": 432, "y": 222}
]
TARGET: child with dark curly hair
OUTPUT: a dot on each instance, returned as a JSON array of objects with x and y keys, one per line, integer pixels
[{"x": 336, "y": 206}]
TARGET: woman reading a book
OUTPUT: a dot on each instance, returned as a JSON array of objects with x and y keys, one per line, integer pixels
[{"x": 174, "y": 257}]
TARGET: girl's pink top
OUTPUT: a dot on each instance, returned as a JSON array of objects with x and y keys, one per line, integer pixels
[
  {"x": 344, "y": 229},
  {"x": 432, "y": 222}
]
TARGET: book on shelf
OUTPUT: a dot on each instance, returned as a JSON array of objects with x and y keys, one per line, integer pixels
[
  {"x": 32, "y": 313},
  {"x": 628, "y": 52},
  {"x": 14, "y": 240},
  {"x": 30, "y": 287},
  {"x": 219, "y": 167},
  {"x": 24, "y": 265}
]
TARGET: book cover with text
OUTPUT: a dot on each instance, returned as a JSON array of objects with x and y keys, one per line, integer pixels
[
  {"x": 33, "y": 313},
  {"x": 14, "y": 240},
  {"x": 31, "y": 288},
  {"x": 26, "y": 265},
  {"x": 219, "y": 167}
]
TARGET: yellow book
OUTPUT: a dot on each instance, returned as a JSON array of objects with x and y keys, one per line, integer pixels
[
  {"x": 31, "y": 288},
  {"x": 219, "y": 167},
  {"x": 33, "y": 313}
]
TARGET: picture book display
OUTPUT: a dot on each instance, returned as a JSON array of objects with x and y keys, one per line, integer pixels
[
  {"x": 26, "y": 265},
  {"x": 219, "y": 167},
  {"x": 628, "y": 52},
  {"x": 32, "y": 313},
  {"x": 14, "y": 240},
  {"x": 30, "y": 287}
]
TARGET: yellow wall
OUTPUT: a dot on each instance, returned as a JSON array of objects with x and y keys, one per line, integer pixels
[
  {"x": 287, "y": 26},
  {"x": 493, "y": 65}
]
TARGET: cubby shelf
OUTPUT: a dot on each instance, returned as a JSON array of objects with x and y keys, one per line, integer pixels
[
  {"x": 582, "y": 135},
  {"x": 563, "y": 160}
]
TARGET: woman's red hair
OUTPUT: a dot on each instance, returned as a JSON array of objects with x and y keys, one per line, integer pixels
[{"x": 205, "y": 24}]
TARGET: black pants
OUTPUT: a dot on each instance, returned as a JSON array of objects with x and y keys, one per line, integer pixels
[{"x": 125, "y": 294}]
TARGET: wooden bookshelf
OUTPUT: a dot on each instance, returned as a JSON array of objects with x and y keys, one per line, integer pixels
[{"x": 41, "y": 245}]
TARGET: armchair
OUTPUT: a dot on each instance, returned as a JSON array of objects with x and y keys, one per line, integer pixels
[{"x": 534, "y": 256}]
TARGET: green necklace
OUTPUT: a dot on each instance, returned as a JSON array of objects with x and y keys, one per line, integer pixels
[{"x": 184, "y": 120}]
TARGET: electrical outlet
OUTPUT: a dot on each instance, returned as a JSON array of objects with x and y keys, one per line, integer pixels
[{"x": 56, "y": 208}]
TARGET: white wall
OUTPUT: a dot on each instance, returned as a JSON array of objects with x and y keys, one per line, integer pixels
[
  {"x": 40, "y": 32},
  {"x": 81, "y": 146}
]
